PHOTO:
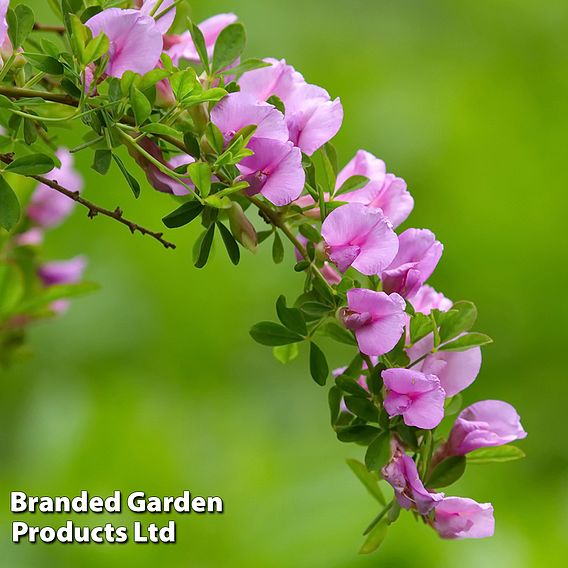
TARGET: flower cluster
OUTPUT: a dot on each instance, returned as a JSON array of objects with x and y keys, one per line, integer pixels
[{"x": 225, "y": 136}]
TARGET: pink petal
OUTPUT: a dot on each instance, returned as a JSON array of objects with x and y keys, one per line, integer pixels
[
  {"x": 166, "y": 21},
  {"x": 363, "y": 164}
]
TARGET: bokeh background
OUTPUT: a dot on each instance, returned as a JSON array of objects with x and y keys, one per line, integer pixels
[{"x": 154, "y": 384}]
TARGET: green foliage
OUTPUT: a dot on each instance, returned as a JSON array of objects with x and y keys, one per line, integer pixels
[
  {"x": 9, "y": 206},
  {"x": 229, "y": 46}
]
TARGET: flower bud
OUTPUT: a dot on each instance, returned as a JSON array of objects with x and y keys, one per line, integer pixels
[{"x": 242, "y": 229}]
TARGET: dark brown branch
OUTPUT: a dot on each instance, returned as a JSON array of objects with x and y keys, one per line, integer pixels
[
  {"x": 53, "y": 29},
  {"x": 94, "y": 210}
]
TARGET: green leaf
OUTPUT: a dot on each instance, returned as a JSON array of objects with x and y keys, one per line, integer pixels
[
  {"x": 205, "y": 248},
  {"x": 96, "y": 48},
  {"x": 159, "y": 129},
  {"x": 351, "y": 386},
  {"x": 141, "y": 106},
  {"x": 273, "y": 334},
  {"x": 338, "y": 333},
  {"x": 5, "y": 102},
  {"x": 230, "y": 244},
  {"x": 102, "y": 160},
  {"x": 200, "y": 174},
  {"x": 315, "y": 309},
  {"x": 30, "y": 131},
  {"x": 244, "y": 67},
  {"x": 467, "y": 341},
  {"x": 58, "y": 292},
  {"x": 210, "y": 96},
  {"x": 362, "y": 407},
  {"x": 292, "y": 318},
  {"x": 183, "y": 215},
  {"x": 375, "y": 538},
  {"x": 277, "y": 249},
  {"x": 20, "y": 24},
  {"x": 353, "y": 183},
  {"x": 199, "y": 43},
  {"x": 215, "y": 137},
  {"x": 229, "y": 46},
  {"x": 461, "y": 318},
  {"x": 12, "y": 284},
  {"x": 286, "y": 353},
  {"x": 499, "y": 454},
  {"x": 368, "y": 479},
  {"x": 183, "y": 83},
  {"x": 310, "y": 232},
  {"x": 453, "y": 405},
  {"x": 378, "y": 453},
  {"x": 420, "y": 326},
  {"x": 31, "y": 165},
  {"x": 277, "y": 103},
  {"x": 9, "y": 206},
  {"x": 45, "y": 63},
  {"x": 319, "y": 368},
  {"x": 132, "y": 182},
  {"x": 334, "y": 401},
  {"x": 192, "y": 145},
  {"x": 447, "y": 472},
  {"x": 359, "y": 433}
]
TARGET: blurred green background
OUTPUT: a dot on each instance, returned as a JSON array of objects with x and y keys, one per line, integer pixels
[{"x": 154, "y": 384}]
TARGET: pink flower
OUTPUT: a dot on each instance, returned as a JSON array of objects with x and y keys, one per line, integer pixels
[
  {"x": 458, "y": 518},
  {"x": 484, "y": 424},
  {"x": 48, "y": 207},
  {"x": 166, "y": 21},
  {"x": 4, "y": 5},
  {"x": 157, "y": 179},
  {"x": 238, "y": 110},
  {"x": 360, "y": 237},
  {"x": 419, "y": 398},
  {"x": 31, "y": 238},
  {"x": 275, "y": 170},
  {"x": 402, "y": 474},
  {"x": 455, "y": 369},
  {"x": 312, "y": 117},
  {"x": 330, "y": 274},
  {"x": 182, "y": 46},
  {"x": 384, "y": 191},
  {"x": 418, "y": 255},
  {"x": 63, "y": 272},
  {"x": 376, "y": 318},
  {"x": 135, "y": 40},
  {"x": 427, "y": 299}
]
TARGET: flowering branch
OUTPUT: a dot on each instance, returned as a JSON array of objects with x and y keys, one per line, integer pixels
[{"x": 224, "y": 134}]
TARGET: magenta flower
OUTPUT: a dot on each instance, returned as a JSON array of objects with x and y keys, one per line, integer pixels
[
  {"x": 165, "y": 22},
  {"x": 402, "y": 474},
  {"x": 63, "y": 272},
  {"x": 376, "y": 318},
  {"x": 48, "y": 208},
  {"x": 31, "y": 238},
  {"x": 275, "y": 170},
  {"x": 182, "y": 46},
  {"x": 458, "y": 518},
  {"x": 238, "y": 110},
  {"x": 455, "y": 369},
  {"x": 427, "y": 299},
  {"x": 418, "y": 255},
  {"x": 484, "y": 424},
  {"x": 361, "y": 237},
  {"x": 312, "y": 117},
  {"x": 135, "y": 40},
  {"x": 417, "y": 397},
  {"x": 384, "y": 191}
]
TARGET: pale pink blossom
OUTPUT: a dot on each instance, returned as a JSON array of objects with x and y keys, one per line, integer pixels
[
  {"x": 418, "y": 255},
  {"x": 63, "y": 272},
  {"x": 376, "y": 318},
  {"x": 48, "y": 208},
  {"x": 484, "y": 424},
  {"x": 165, "y": 22},
  {"x": 238, "y": 110},
  {"x": 427, "y": 299},
  {"x": 275, "y": 170},
  {"x": 402, "y": 474},
  {"x": 361, "y": 237},
  {"x": 458, "y": 518},
  {"x": 417, "y": 397},
  {"x": 182, "y": 46},
  {"x": 135, "y": 40}
]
